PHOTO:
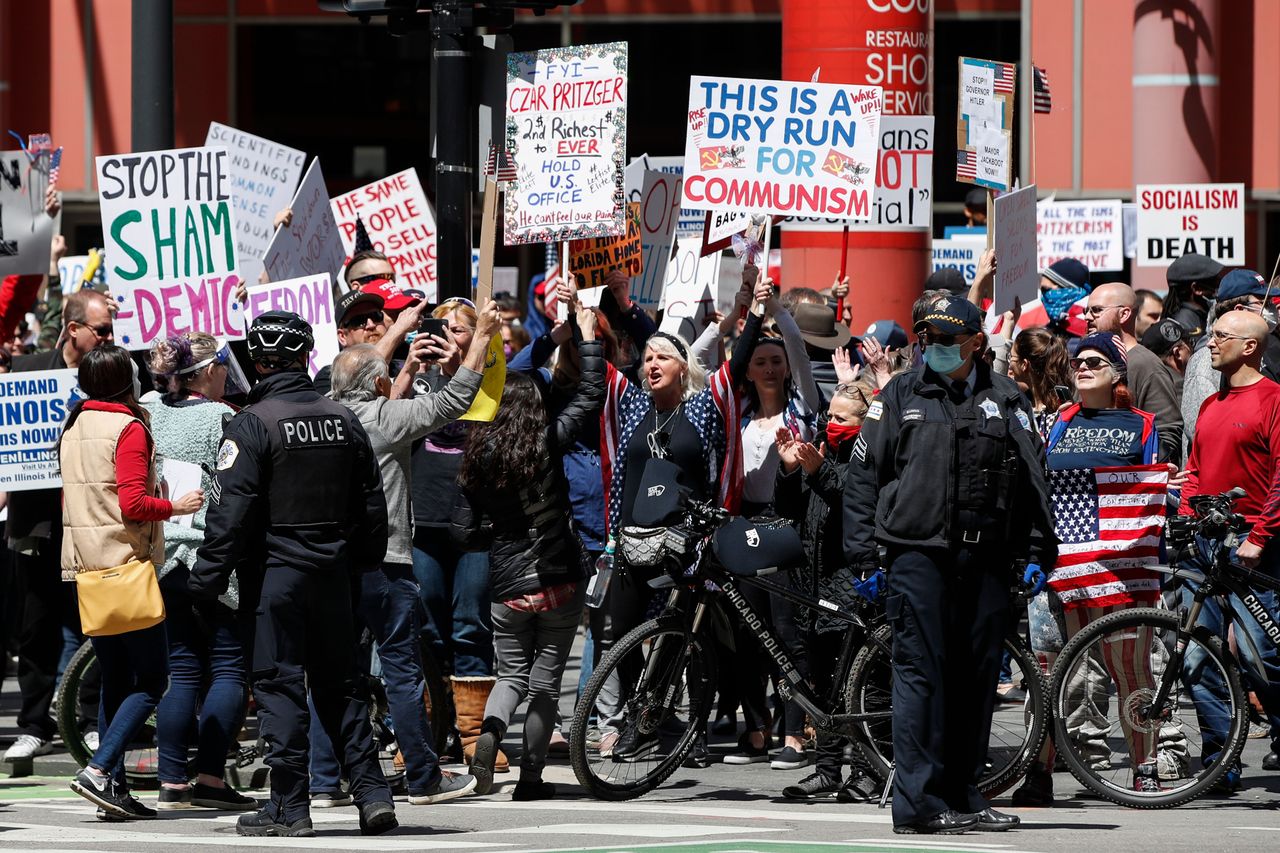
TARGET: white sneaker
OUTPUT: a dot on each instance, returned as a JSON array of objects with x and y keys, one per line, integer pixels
[
  {"x": 27, "y": 747},
  {"x": 91, "y": 740}
]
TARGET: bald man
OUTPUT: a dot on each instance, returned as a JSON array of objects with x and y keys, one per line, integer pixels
[
  {"x": 1237, "y": 443},
  {"x": 1114, "y": 308}
]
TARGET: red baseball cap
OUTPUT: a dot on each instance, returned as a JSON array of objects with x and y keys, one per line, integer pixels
[{"x": 394, "y": 297}]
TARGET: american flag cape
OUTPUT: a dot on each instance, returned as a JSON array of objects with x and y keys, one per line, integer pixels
[{"x": 1110, "y": 522}]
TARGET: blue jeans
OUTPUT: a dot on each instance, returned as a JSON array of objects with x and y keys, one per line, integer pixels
[
  {"x": 135, "y": 672},
  {"x": 1203, "y": 682},
  {"x": 389, "y": 607},
  {"x": 454, "y": 585},
  {"x": 197, "y": 658}
]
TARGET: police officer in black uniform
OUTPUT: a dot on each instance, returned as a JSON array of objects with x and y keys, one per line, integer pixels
[
  {"x": 947, "y": 475},
  {"x": 297, "y": 505}
]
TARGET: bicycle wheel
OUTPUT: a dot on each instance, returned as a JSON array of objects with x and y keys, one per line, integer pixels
[
  {"x": 674, "y": 675},
  {"x": 1017, "y": 729},
  {"x": 1125, "y": 655}
]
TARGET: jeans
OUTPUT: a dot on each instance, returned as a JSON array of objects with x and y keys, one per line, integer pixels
[
  {"x": 1207, "y": 689},
  {"x": 454, "y": 586},
  {"x": 202, "y": 651},
  {"x": 389, "y": 607},
  {"x": 47, "y": 605},
  {"x": 135, "y": 673}
]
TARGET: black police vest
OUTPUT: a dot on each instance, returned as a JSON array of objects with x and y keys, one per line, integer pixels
[
  {"x": 985, "y": 463},
  {"x": 311, "y": 455}
]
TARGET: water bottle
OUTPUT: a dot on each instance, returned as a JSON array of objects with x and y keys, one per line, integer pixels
[{"x": 599, "y": 583}]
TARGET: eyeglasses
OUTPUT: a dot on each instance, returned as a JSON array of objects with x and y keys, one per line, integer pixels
[
  {"x": 853, "y": 385},
  {"x": 364, "y": 280},
  {"x": 1093, "y": 362},
  {"x": 360, "y": 320},
  {"x": 928, "y": 338},
  {"x": 1096, "y": 310},
  {"x": 1219, "y": 337},
  {"x": 103, "y": 331}
]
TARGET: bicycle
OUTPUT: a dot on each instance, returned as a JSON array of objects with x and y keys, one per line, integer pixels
[
  {"x": 671, "y": 662},
  {"x": 1182, "y": 653}
]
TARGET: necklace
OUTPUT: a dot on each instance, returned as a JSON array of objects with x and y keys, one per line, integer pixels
[{"x": 658, "y": 439}]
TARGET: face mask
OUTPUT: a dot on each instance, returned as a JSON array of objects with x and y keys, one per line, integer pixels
[
  {"x": 943, "y": 360},
  {"x": 1057, "y": 302},
  {"x": 1269, "y": 315},
  {"x": 838, "y": 434}
]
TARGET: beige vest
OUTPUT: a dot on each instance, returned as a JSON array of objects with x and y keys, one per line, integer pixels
[{"x": 95, "y": 534}]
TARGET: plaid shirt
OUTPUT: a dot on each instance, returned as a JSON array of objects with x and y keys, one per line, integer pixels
[{"x": 544, "y": 599}]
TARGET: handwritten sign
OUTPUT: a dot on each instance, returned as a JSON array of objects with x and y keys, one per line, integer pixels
[
  {"x": 311, "y": 298},
  {"x": 689, "y": 294},
  {"x": 71, "y": 269},
  {"x": 169, "y": 232},
  {"x": 401, "y": 224},
  {"x": 1018, "y": 274},
  {"x": 659, "y": 211},
  {"x": 689, "y": 224},
  {"x": 1089, "y": 231},
  {"x": 959, "y": 254},
  {"x": 26, "y": 231},
  {"x": 773, "y": 146},
  {"x": 567, "y": 135},
  {"x": 35, "y": 407},
  {"x": 1177, "y": 219},
  {"x": 984, "y": 127},
  {"x": 593, "y": 260},
  {"x": 310, "y": 244}
]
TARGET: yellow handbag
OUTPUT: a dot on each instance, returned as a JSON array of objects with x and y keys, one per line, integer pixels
[{"x": 119, "y": 600}]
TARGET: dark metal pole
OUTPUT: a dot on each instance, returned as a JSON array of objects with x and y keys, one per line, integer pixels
[
  {"x": 453, "y": 127},
  {"x": 152, "y": 74}
]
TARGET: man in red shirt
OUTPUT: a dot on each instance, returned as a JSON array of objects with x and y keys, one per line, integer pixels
[{"x": 1237, "y": 443}]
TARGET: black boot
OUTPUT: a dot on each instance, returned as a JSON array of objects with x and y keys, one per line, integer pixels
[{"x": 263, "y": 822}]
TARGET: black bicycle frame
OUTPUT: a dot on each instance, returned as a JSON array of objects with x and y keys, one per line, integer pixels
[{"x": 1240, "y": 582}]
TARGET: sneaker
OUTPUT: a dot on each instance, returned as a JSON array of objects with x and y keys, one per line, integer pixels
[
  {"x": 91, "y": 740},
  {"x": 748, "y": 754},
  {"x": 1271, "y": 762},
  {"x": 260, "y": 823},
  {"x": 225, "y": 798},
  {"x": 698, "y": 757},
  {"x": 812, "y": 787},
  {"x": 1146, "y": 779},
  {"x": 377, "y": 817},
  {"x": 725, "y": 724},
  {"x": 1036, "y": 789},
  {"x": 172, "y": 799},
  {"x": 1171, "y": 765},
  {"x": 1009, "y": 693},
  {"x": 635, "y": 746},
  {"x": 451, "y": 786},
  {"x": 789, "y": 759},
  {"x": 1258, "y": 729},
  {"x": 858, "y": 788},
  {"x": 331, "y": 801},
  {"x": 559, "y": 745},
  {"x": 1228, "y": 783},
  {"x": 100, "y": 791},
  {"x": 27, "y": 747},
  {"x": 136, "y": 810},
  {"x": 608, "y": 741},
  {"x": 532, "y": 789},
  {"x": 483, "y": 760}
]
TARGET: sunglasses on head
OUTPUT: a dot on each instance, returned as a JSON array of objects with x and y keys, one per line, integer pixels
[
  {"x": 459, "y": 300},
  {"x": 360, "y": 320},
  {"x": 1093, "y": 362},
  {"x": 364, "y": 280}
]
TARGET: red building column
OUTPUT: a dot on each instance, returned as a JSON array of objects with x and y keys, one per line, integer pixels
[{"x": 885, "y": 43}]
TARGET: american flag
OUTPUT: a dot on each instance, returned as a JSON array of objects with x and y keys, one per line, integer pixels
[
  {"x": 1110, "y": 521},
  {"x": 55, "y": 166},
  {"x": 503, "y": 172},
  {"x": 1004, "y": 77},
  {"x": 1042, "y": 100},
  {"x": 552, "y": 270},
  {"x": 966, "y": 165}
]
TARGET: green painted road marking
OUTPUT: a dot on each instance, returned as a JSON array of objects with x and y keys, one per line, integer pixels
[
  {"x": 753, "y": 846},
  {"x": 35, "y": 788}
]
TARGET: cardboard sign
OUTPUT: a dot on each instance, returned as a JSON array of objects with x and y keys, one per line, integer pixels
[
  {"x": 1089, "y": 231},
  {"x": 1177, "y": 219},
  {"x": 169, "y": 232},
  {"x": 310, "y": 244},
  {"x": 659, "y": 210},
  {"x": 484, "y": 258},
  {"x": 311, "y": 298},
  {"x": 689, "y": 295},
  {"x": 36, "y": 405},
  {"x": 689, "y": 224},
  {"x": 401, "y": 224},
  {"x": 1017, "y": 274},
  {"x": 962, "y": 255},
  {"x": 773, "y": 146},
  {"x": 593, "y": 260},
  {"x": 904, "y": 181},
  {"x": 71, "y": 270},
  {"x": 263, "y": 177},
  {"x": 567, "y": 135},
  {"x": 26, "y": 231},
  {"x": 984, "y": 123}
]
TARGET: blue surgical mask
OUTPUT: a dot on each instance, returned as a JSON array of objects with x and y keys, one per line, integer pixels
[{"x": 943, "y": 359}]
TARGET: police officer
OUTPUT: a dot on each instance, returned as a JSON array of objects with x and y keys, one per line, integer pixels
[
  {"x": 947, "y": 475},
  {"x": 297, "y": 504}
]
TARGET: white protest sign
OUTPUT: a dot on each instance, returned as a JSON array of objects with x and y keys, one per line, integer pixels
[
  {"x": 779, "y": 147},
  {"x": 1178, "y": 219},
  {"x": 35, "y": 407},
  {"x": 180, "y": 478},
  {"x": 1088, "y": 230},
  {"x": 71, "y": 271},
  {"x": 311, "y": 298},
  {"x": 959, "y": 254},
  {"x": 263, "y": 177},
  {"x": 567, "y": 135},
  {"x": 169, "y": 232},
  {"x": 309, "y": 244},
  {"x": 400, "y": 223},
  {"x": 691, "y": 290},
  {"x": 659, "y": 210},
  {"x": 26, "y": 231},
  {"x": 1017, "y": 274},
  {"x": 724, "y": 224},
  {"x": 690, "y": 222},
  {"x": 904, "y": 182},
  {"x": 984, "y": 123}
]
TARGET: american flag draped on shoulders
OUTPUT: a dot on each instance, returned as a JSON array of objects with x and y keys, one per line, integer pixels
[{"x": 1110, "y": 521}]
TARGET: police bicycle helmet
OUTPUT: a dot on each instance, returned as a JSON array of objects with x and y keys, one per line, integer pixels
[{"x": 280, "y": 339}]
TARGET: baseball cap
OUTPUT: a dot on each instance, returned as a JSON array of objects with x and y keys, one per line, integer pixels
[
  {"x": 1241, "y": 283},
  {"x": 352, "y": 301},
  {"x": 888, "y": 333},
  {"x": 947, "y": 278},
  {"x": 952, "y": 316},
  {"x": 1191, "y": 267},
  {"x": 394, "y": 297},
  {"x": 1164, "y": 335}
]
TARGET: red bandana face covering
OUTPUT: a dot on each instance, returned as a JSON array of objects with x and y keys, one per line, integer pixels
[{"x": 838, "y": 434}]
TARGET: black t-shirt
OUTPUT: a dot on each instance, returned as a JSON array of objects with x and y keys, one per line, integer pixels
[{"x": 684, "y": 449}]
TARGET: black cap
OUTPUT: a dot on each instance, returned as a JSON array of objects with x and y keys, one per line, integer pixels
[
  {"x": 1191, "y": 267},
  {"x": 952, "y": 316},
  {"x": 949, "y": 279},
  {"x": 348, "y": 302},
  {"x": 976, "y": 199},
  {"x": 281, "y": 337},
  {"x": 1163, "y": 335}
]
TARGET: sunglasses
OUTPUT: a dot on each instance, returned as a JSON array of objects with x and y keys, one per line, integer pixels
[
  {"x": 360, "y": 320},
  {"x": 927, "y": 338},
  {"x": 459, "y": 300},
  {"x": 1092, "y": 362},
  {"x": 1220, "y": 337},
  {"x": 369, "y": 279},
  {"x": 843, "y": 385},
  {"x": 103, "y": 331}
]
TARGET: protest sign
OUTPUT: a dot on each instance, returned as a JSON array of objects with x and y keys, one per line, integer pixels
[
  {"x": 26, "y": 231},
  {"x": 309, "y": 244},
  {"x": 179, "y": 478},
  {"x": 659, "y": 210},
  {"x": 904, "y": 182},
  {"x": 33, "y": 409},
  {"x": 401, "y": 224},
  {"x": 691, "y": 288},
  {"x": 567, "y": 135},
  {"x": 1018, "y": 274},
  {"x": 773, "y": 146},
  {"x": 593, "y": 260},
  {"x": 1088, "y": 230},
  {"x": 169, "y": 232},
  {"x": 311, "y": 298},
  {"x": 962, "y": 255},
  {"x": 71, "y": 270},
  {"x": 484, "y": 257},
  {"x": 263, "y": 177},
  {"x": 1177, "y": 219},
  {"x": 984, "y": 124},
  {"x": 689, "y": 224}
]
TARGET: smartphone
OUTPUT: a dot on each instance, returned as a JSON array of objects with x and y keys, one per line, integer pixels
[
  {"x": 1064, "y": 393},
  {"x": 433, "y": 326}
]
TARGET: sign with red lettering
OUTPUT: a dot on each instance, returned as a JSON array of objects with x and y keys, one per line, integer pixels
[
  {"x": 1018, "y": 274},
  {"x": 311, "y": 298},
  {"x": 567, "y": 135},
  {"x": 1088, "y": 230},
  {"x": 1178, "y": 219},
  {"x": 783, "y": 148},
  {"x": 169, "y": 232},
  {"x": 400, "y": 223},
  {"x": 593, "y": 260}
]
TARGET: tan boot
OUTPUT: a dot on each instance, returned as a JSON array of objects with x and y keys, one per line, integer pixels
[{"x": 470, "y": 694}]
